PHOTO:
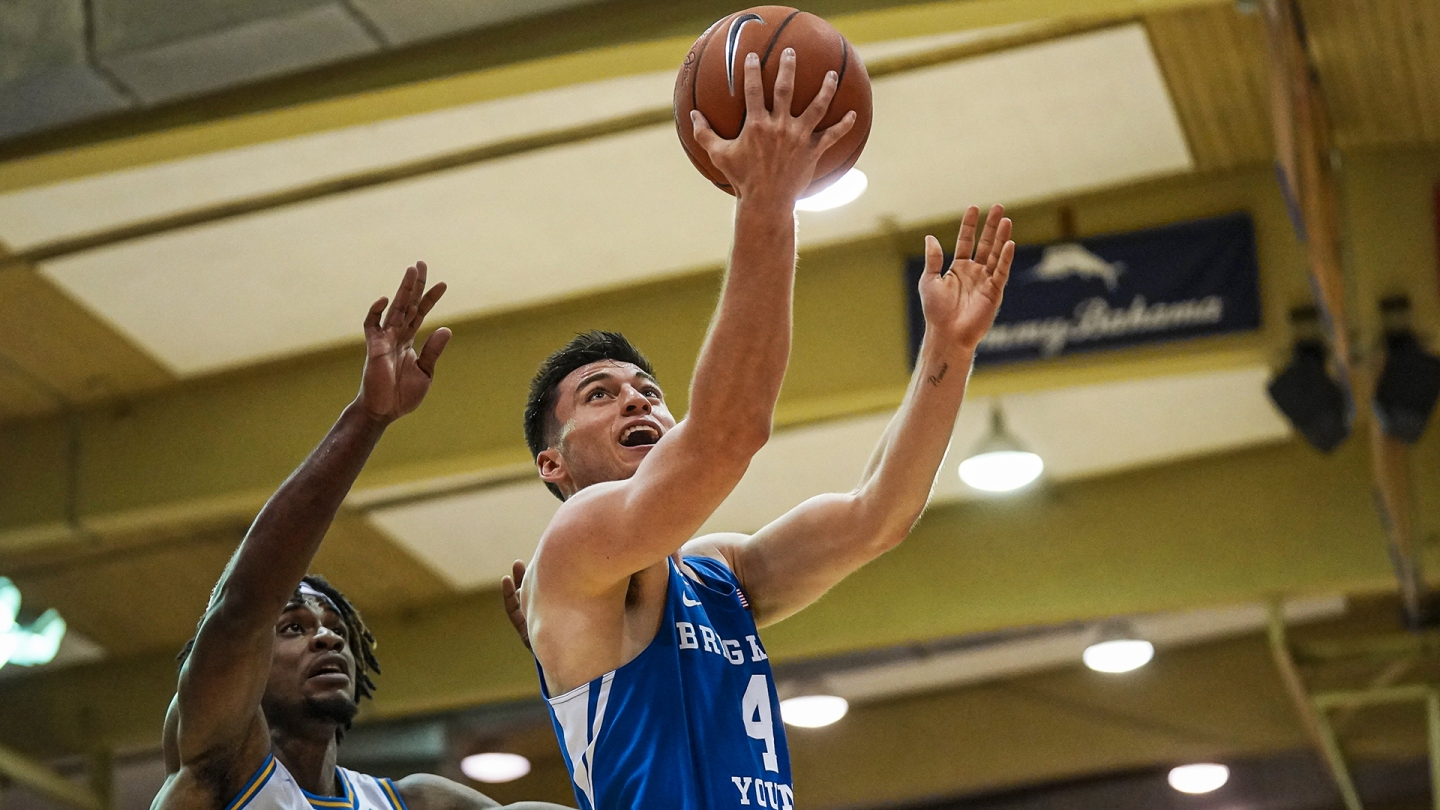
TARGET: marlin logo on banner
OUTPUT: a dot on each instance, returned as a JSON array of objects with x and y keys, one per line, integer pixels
[
  {"x": 1187, "y": 280},
  {"x": 1072, "y": 259}
]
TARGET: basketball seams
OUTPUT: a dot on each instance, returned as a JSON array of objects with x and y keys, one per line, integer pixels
[
  {"x": 770, "y": 47},
  {"x": 699, "y": 55},
  {"x": 694, "y": 99}
]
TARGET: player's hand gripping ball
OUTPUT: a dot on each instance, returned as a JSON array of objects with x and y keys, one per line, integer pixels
[{"x": 712, "y": 80}]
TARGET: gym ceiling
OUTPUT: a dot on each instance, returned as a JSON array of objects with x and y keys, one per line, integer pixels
[{"x": 197, "y": 206}]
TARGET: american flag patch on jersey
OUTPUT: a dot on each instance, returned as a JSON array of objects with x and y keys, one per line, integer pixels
[{"x": 745, "y": 603}]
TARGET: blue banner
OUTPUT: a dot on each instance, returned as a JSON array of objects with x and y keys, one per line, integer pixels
[{"x": 1180, "y": 281}]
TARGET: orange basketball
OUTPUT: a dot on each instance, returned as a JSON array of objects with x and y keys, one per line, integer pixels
[{"x": 712, "y": 80}]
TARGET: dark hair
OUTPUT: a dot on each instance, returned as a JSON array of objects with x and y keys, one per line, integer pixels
[
  {"x": 584, "y": 349},
  {"x": 357, "y": 637}
]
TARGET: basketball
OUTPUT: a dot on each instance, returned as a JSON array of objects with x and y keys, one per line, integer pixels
[{"x": 712, "y": 78}]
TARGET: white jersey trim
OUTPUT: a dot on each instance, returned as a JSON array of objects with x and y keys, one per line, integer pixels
[{"x": 572, "y": 712}]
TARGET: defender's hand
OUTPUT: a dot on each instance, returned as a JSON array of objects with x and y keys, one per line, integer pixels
[
  {"x": 396, "y": 378},
  {"x": 960, "y": 304},
  {"x": 510, "y": 590},
  {"x": 776, "y": 152}
]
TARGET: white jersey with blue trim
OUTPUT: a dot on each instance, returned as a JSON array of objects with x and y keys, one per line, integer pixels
[
  {"x": 693, "y": 722},
  {"x": 273, "y": 788}
]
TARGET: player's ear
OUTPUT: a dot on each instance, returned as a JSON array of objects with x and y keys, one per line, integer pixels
[{"x": 551, "y": 466}]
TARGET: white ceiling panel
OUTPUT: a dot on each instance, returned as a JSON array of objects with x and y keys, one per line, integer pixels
[
  {"x": 470, "y": 540},
  {"x": 33, "y": 216},
  {"x": 84, "y": 205},
  {"x": 1014, "y": 126},
  {"x": 1084, "y": 431}
]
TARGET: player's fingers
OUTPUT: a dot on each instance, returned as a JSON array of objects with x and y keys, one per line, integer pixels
[
  {"x": 430, "y": 352},
  {"x": 754, "y": 88},
  {"x": 704, "y": 135},
  {"x": 1002, "y": 268},
  {"x": 934, "y": 258},
  {"x": 1002, "y": 235},
  {"x": 517, "y": 571},
  {"x": 402, "y": 299},
  {"x": 785, "y": 83},
  {"x": 821, "y": 103},
  {"x": 965, "y": 240},
  {"x": 987, "y": 236},
  {"x": 835, "y": 132},
  {"x": 372, "y": 318},
  {"x": 428, "y": 302}
]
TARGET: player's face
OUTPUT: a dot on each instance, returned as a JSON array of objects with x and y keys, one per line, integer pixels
[
  {"x": 312, "y": 669},
  {"x": 611, "y": 415}
]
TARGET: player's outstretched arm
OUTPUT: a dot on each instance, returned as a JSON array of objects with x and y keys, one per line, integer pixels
[
  {"x": 424, "y": 791},
  {"x": 790, "y": 563},
  {"x": 741, "y": 365},
  {"x": 224, "y": 675}
]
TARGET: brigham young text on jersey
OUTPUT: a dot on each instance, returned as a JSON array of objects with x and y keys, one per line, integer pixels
[{"x": 666, "y": 723}]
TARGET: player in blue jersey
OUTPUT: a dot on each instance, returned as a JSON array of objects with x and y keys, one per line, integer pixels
[
  {"x": 658, "y": 684},
  {"x": 274, "y": 674}
]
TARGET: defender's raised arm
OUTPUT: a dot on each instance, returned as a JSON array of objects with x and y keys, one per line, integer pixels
[{"x": 220, "y": 729}]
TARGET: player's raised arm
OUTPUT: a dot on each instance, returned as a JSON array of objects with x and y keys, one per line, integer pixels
[
  {"x": 224, "y": 675},
  {"x": 790, "y": 563},
  {"x": 737, "y": 379}
]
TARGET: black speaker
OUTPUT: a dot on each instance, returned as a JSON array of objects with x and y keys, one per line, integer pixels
[
  {"x": 1408, "y": 388},
  {"x": 1314, "y": 403}
]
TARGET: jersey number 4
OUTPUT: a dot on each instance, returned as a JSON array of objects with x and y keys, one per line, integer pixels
[{"x": 759, "y": 724}]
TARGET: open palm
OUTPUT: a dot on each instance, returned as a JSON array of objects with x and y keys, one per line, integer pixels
[
  {"x": 396, "y": 377},
  {"x": 960, "y": 304}
]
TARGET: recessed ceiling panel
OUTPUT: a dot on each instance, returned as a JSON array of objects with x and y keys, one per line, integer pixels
[
  {"x": 405, "y": 21},
  {"x": 1015, "y": 126},
  {"x": 269, "y": 46},
  {"x": 472, "y": 538},
  {"x": 33, "y": 216}
]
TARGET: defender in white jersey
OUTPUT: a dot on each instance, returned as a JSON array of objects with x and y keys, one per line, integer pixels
[
  {"x": 644, "y": 631},
  {"x": 275, "y": 672}
]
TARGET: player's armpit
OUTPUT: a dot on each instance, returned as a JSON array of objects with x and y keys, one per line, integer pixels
[
  {"x": 608, "y": 532},
  {"x": 794, "y": 560}
]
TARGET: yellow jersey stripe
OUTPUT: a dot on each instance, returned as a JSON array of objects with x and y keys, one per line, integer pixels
[
  {"x": 393, "y": 794},
  {"x": 262, "y": 775}
]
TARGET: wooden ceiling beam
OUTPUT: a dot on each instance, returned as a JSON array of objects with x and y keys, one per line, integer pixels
[
  {"x": 1305, "y": 167},
  {"x": 46, "y": 782}
]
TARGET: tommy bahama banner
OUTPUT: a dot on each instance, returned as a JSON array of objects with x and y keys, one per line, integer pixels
[{"x": 1180, "y": 281}]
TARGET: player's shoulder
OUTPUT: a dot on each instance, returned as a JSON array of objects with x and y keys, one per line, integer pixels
[
  {"x": 580, "y": 516},
  {"x": 426, "y": 791}
]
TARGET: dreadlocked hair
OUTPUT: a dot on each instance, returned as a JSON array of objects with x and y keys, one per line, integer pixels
[
  {"x": 357, "y": 637},
  {"x": 582, "y": 350}
]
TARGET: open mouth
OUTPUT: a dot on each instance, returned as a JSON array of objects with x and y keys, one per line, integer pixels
[
  {"x": 330, "y": 669},
  {"x": 639, "y": 436}
]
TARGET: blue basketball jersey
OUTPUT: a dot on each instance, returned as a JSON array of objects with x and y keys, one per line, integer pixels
[{"x": 693, "y": 723}]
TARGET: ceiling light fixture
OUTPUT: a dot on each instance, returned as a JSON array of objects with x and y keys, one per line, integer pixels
[
  {"x": 841, "y": 192},
  {"x": 813, "y": 711},
  {"x": 1118, "y": 650},
  {"x": 1199, "y": 778},
  {"x": 1000, "y": 463},
  {"x": 26, "y": 645},
  {"x": 495, "y": 767}
]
